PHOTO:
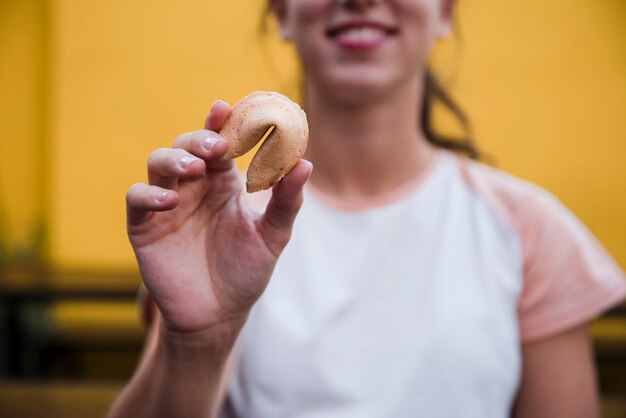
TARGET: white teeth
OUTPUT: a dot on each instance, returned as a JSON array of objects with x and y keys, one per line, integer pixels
[{"x": 361, "y": 34}]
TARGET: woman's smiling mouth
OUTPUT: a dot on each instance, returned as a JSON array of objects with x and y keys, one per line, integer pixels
[{"x": 360, "y": 35}]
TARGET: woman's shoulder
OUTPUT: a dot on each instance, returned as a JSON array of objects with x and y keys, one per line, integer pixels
[
  {"x": 569, "y": 277},
  {"x": 485, "y": 178},
  {"x": 518, "y": 202}
]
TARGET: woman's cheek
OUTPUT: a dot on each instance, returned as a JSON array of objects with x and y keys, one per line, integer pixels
[{"x": 424, "y": 14}]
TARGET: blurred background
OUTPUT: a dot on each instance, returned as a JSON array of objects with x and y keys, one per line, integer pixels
[{"x": 90, "y": 88}]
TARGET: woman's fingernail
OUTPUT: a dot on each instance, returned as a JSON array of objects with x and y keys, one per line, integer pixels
[
  {"x": 209, "y": 142},
  {"x": 218, "y": 101},
  {"x": 185, "y": 160},
  {"x": 161, "y": 196}
]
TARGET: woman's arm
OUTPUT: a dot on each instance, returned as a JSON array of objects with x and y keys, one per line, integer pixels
[
  {"x": 179, "y": 377},
  {"x": 205, "y": 257},
  {"x": 558, "y": 378}
]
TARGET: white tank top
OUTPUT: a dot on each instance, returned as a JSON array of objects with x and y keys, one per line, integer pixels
[{"x": 416, "y": 304}]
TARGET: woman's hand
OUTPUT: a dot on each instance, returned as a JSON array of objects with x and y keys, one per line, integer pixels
[{"x": 204, "y": 256}]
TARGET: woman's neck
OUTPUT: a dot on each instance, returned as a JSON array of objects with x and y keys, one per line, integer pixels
[{"x": 364, "y": 150}]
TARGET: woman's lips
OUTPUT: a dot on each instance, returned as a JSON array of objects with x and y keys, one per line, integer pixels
[{"x": 360, "y": 36}]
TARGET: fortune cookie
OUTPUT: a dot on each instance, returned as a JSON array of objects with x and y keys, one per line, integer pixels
[{"x": 248, "y": 122}]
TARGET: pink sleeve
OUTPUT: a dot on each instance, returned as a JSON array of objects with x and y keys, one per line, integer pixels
[{"x": 569, "y": 278}]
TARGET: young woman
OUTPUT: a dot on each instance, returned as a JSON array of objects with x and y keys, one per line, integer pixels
[{"x": 417, "y": 283}]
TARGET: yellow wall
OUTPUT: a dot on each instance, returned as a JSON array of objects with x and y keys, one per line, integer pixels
[
  {"x": 546, "y": 85},
  {"x": 543, "y": 83},
  {"x": 21, "y": 122},
  {"x": 128, "y": 78}
]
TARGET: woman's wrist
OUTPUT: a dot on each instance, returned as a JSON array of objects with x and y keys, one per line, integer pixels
[{"x": 216, "y": 340}]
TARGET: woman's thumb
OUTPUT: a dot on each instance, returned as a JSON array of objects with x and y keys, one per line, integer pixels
[{"x": 281, "y": 211}]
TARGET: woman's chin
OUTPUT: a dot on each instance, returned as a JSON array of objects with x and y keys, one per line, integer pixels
[
  {"x": 358, "y": 88},
  {"x": 360, "y": 83}
]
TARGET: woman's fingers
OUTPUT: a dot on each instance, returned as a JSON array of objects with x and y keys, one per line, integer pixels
[
  {"x": 143, "y": 199},
  {"x": 192, "y": 154},
  {"x": 207, "y": 145},
  {"x": 167, "y": 165},
  {"x": 275, "y": 225}
]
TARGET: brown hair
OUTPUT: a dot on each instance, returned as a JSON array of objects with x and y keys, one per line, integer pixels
[{"x": 434, "y": 92}]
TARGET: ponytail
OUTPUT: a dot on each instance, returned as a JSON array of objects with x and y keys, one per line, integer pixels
[{"x": 433, "y": 93}]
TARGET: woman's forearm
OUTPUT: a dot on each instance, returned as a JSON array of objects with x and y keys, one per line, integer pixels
[
  {"x": 558, "y": 377},
  {"x": 179, "y": 375}
]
